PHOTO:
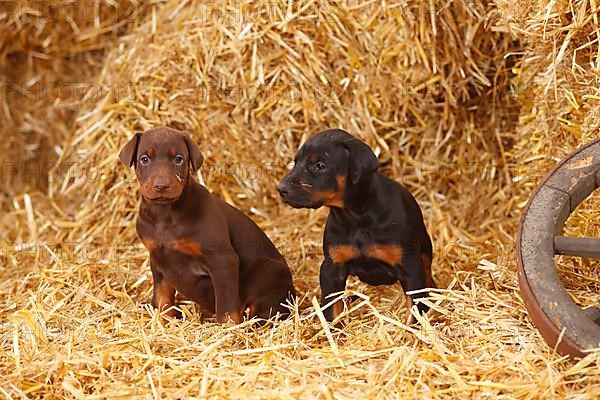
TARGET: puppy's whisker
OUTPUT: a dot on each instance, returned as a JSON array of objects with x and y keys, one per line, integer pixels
[
  {"x": 304, "y": 184},
  {"x": 180, "y": 179}
]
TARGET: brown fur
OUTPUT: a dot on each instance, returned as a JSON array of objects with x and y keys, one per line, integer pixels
[
  {"x": 199, "y": 245},
  {"x": 189, "y": 247}
]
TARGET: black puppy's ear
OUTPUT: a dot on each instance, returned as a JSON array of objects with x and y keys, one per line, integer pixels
[
  {"x": 362, "y": 162},
  {"x": 128, "y": 153},
  {"x": 196, "y": 157}
]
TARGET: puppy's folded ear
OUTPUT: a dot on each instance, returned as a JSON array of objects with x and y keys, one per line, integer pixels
[
  {"x": 128, "y": 153},
  {"x": 196, "y": 157},
  {"x": 362, "y": 162}
]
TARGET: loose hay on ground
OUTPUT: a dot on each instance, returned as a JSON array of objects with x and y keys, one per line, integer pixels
[{"x": 427, "y": 84}]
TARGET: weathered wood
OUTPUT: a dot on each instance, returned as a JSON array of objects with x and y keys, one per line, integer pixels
[
  {"x": 576, "y": 175},
  {"x": 550, "y": 306},
  {"x": 577, "y": 246},
  {"x": 593, "y": 313}
]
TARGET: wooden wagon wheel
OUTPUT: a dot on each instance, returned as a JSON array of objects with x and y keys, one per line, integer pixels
[{"x": 550, "y": 306}]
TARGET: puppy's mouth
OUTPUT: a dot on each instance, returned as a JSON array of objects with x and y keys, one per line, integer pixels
[
  {"x": 300, "y": 204},
  {"x": 161, "y": 199}
]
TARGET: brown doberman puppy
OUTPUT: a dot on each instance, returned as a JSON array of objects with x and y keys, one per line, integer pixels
[
  {"x": 200, "y": 246},
  {"x": 375, "y": 228}
]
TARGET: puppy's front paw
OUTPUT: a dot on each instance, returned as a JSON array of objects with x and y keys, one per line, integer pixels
[{"x": 230, "y": 318}]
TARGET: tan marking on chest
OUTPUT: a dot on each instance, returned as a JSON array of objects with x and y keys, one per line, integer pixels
[
  {"x": 341, "y": 254},
  {"x": 185, "y": 246},
  {"x": 388, "y": 253},
  {"x": 150, "y": 244}
]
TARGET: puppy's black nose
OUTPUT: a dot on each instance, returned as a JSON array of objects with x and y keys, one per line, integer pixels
[{"x": 283, "y": 189}]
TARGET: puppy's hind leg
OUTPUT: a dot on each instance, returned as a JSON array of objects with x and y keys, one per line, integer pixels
[
  {"x": 426, "y": 257},
  {"x": 267, "y": 288}
]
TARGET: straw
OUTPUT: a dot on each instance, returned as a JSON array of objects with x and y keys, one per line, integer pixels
[{"x": 467, "y": 104}]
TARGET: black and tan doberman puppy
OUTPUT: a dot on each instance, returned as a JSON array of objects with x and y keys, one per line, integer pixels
[
  {"x": 375, "y": 228},
  {"x": 200, "y": 246}
]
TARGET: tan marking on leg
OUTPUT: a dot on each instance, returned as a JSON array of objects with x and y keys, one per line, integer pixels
[
  {"x": 235, "y": 316},
  {"x": 388, "y": 253},
  {"x": 337, "y": 308},
  {"x": 409, "y": 305},
  {"x": 341, "y": 254},
  {"x": 251, "y": 310},
  {"x": 164, "y": 298}
]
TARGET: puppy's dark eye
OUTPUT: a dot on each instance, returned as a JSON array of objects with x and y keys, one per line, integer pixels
[
  {"x": 178, "y": 159},
  {"x": 144, "y": 160},
  {"x": 320, "y": 167}
]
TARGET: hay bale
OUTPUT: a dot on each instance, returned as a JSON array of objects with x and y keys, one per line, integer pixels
[
  {"x": 558, "y": 86},
  {"x": 50, "y": 54},
  {"x": 422, "y": 84},
  {"x": 557, "y": 81}
]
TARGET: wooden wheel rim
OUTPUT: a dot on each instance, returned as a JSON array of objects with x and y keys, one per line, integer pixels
[{"x": 548, "y": 303}]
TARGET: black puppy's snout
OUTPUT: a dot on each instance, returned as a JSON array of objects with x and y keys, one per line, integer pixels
[{"x": 283, "y": 189}]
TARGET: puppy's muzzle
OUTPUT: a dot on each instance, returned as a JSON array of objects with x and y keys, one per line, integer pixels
[
  {"x": 161, "y": 186},
  {"x": 284, "y": 189}
]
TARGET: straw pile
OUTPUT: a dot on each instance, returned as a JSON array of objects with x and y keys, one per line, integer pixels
[
  {"x": 558, "y": 87},
  {"x": 50, "y": 55},
  {"x": 429, "y": 85}
]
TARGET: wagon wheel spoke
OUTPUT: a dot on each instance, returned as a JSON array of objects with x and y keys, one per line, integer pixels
[
  {"x": 593, "y": 313},
  {"x": 577, "y": 246}
]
